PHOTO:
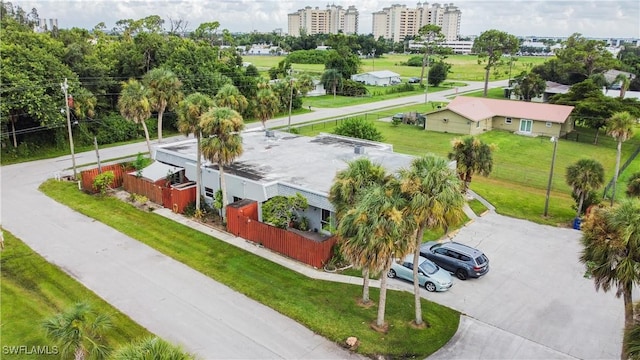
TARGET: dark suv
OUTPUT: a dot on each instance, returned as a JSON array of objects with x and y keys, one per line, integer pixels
[{"x": 461, "y": 260}]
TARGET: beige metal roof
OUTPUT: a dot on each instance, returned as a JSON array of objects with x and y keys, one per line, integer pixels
[{"x": 477, "y": 109}]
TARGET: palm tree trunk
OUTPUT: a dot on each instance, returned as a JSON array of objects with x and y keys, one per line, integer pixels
[
  {"x": 580, "y": 203},
  {"x": 628, "y": 315},
  {"x": 467, "y": 180},
  {"x": 198, "y": 170},
  {"x": 79, "y": 354},
  {"x": 146, "y": 135},
  {"x": 223, "y": 187},
  {"x": 383, "y": 295},
  {"x": 163, "y": 106},
  {"x": 615, "y": 174},
  {"x": 595, "y": 140},
  {"x": 486, "y": 80},
  {"x": 365, "y": 285},
  {"x": 416, "y": 283}
]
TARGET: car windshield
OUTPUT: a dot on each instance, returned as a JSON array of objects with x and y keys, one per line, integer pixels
[{"x": 428, "y": 267}]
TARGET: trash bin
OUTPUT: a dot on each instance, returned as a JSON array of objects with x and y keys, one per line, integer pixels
[{"x": 577, "y": 222}]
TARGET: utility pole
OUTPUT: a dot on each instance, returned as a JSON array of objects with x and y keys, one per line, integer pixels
[
  {"x": 65, "y": 88},
  {"x": 290, "y": 100},
  {"x": 553, "y": 161}
]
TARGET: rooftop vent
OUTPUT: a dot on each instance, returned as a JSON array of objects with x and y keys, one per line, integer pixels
[{"x": 358, "y": 149}]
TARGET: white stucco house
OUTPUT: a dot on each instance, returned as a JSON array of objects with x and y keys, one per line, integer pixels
[{"x": 378, "y": 78}]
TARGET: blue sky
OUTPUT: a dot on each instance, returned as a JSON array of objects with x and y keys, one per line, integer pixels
[{"x": 604, "y": 18}]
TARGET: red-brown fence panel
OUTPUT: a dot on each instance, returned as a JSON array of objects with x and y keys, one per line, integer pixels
[{"x": 87, "y": 177}]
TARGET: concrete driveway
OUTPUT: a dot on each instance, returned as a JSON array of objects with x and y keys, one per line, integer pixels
[{"x": 535, "y": 292}]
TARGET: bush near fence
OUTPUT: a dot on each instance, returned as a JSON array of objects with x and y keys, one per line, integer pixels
[{"x": 87, "y": 177}]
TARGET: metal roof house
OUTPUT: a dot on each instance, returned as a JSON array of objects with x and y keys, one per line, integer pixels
[
  {"x": 377, "y": 78},
  {"x": 472, "y": 116},
  {"x": 278, "y": 163}
]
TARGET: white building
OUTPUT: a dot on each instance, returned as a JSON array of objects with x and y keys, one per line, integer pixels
[
  {"x": 331, "y": 20},
  {"x": 458, "y": 46},
  {"x": 377, "y": 78},
  {"x": 397, "y": 21}
]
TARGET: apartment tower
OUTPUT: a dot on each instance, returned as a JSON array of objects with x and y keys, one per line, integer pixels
[
  {"x": 331, "y": 20},
  {"x": 397, "y": 22}
]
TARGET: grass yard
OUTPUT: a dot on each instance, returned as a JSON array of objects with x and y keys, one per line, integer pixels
[
  {"x": 327, "y": 308},
  {"x": 517, "y": 185},
  {"x": 464, "y": 67},
  {"x": 33, "y": 289}
]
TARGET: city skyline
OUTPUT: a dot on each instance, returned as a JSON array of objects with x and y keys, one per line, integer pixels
[{"x": 598, "y": 19}]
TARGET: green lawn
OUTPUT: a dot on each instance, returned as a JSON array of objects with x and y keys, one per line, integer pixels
[
  {"x": 33, "y": 289},
  {"x": 517, "y": 185},
  {"x": 464, "y": 67},
  {"x": 327, "y": 308}
]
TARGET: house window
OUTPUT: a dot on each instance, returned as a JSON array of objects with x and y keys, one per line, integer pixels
[
  {"x": 507, "y": 121},
  {"x": 208, "y": 192},
  {"x": 548, "y": 124},
  {"x": 525, "y": 125},
  {"x": 326, "y": 220},
  {"x": 477, "y": 124}
]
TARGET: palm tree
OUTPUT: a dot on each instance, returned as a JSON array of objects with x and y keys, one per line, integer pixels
[
  {"x": 472, "y": 156},
  {"x": 305, "y": 84},
  {"x": 633, "y": 185},
  {"x": 435, "y": 202},
  {"x": 151, "y": 348},
  {"x": 84, "y": 104},
  {"x": 189, "y": 112},
  {"x": 359, "y": 176},
  {"x": 79, "y": 331},
  {"x": 584, "y": 176},
  {"x": 620, "y": 127},
  {"x": 331, "y": 79},
  {"x": 135, "y": 106},
  {"x": 378, "y": 222},
  {"x": 631, "y": 341},
  {"x": 164, "y": 92},
  {"x": 222, "y": 142},
  {"x": 611, "y": 241},
  {"x": 229, "y": 96},
  {"x": 624, "y": 84},
  {"x": 267, "y": 105}
]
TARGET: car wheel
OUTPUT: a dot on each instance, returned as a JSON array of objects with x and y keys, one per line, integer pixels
[
  {"x": 391, "y": 273},
  {"x": 430, "y": 286},
  {"x": 461, "y": 274}
]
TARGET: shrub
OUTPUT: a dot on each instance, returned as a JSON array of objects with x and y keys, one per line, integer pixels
[
  {"x": 103, "y": 181},
  {"x": 359, "y": 128},
  {"x": 415, "y": 61},
  {"x": 308, "y": 57},
  {"x": 438, "y": 73},
  {"x": 633, "y": 185},
  {"x": 280, "y": 211},
  {"x": 114, "y": 128},
  {"x": 353, "y": 88}
]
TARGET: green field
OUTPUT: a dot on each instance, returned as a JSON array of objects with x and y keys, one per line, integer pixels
[
  {"x": 33, "y": 289},
  {"x": 517, "y": 185},
  {"x": 327, "y": 308},
  {"x": 464, "y": 67}
]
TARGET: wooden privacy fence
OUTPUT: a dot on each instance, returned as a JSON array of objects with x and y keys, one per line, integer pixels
[
  {"x": 308, "y": 251},
  {"x": 136, "y": 185},
  {"x": 87, "y": 177}
]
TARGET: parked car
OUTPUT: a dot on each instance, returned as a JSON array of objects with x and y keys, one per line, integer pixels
[
  {"x": 413, "y": 80},
  {"x": 398, "y": 116},
  {"x": 430, "y": 275},
  {"x": 461, "y": 260}
]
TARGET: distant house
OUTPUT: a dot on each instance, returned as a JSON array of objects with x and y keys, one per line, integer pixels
[
  {"x": 554, "y": 88},
  {"x": 318, "y": 89},
  {"x": 472, "y": 116},
  {"x": 377, "y": 78}
]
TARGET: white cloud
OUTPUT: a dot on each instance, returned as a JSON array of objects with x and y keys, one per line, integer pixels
[{"x": 604, "y": 18}]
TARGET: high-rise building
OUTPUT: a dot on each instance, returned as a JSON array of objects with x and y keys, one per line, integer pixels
[
  {"x": 331, "y": 20},
  {"x": 397, "y": 21}
]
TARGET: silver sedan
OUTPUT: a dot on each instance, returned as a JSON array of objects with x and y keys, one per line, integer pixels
[{"x": 430, "y": 275}]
